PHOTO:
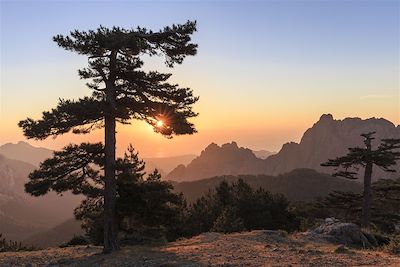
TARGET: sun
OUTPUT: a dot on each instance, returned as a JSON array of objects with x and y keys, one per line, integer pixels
[{"x": 159, "y": 123}]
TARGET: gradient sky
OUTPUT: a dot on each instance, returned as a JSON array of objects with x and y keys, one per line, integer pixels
[{"x": 265, "y": 70}]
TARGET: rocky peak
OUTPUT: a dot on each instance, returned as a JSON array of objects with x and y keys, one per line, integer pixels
[{"x": 326, "y": 117}]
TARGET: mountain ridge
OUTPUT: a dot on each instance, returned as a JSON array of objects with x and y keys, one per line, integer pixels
[{"x": 327, "y": 138}]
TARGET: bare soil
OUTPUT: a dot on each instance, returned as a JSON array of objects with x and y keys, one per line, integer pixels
[{"x": 256, "y": 248}]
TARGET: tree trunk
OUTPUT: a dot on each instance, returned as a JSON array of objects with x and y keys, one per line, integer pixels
[
  {"x": 366, "y": 207},
  {"x": 110, "y": 186}
]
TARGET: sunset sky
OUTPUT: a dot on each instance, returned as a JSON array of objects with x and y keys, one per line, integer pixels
[{"x": 265, "y": 70}]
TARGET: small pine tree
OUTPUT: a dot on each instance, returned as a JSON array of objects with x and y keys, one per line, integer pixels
[
  {"x": 145, "y": 206},
  {"x": 385, "y": 205},
  {"x": 384, "y": 157}
]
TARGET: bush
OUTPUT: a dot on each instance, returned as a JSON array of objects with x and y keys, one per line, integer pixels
[
  {"x": 237, "y": 207},
  {"x": 228, "y": 222},
  {"x": 147, "y": 211},
  {"x": 7, "y": 245},
  {"x": 76, "y": 241}
]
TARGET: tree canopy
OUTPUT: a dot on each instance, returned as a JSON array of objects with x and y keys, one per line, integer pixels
[
  {"x": 384, "y": 157},
  {"x": 115, "y": 58}
]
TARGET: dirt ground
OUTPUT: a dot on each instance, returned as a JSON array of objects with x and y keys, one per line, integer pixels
[{"x": 256, "y": 248}]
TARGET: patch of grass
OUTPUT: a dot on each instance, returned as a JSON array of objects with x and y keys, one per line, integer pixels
[{"x": 394, "y": 245}]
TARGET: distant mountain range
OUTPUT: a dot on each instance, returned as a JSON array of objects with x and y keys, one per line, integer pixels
[
  {"x": 167, "y": 164},
  {"x": 327, "y": 138},
  {"x": 297, "y": 185},
  {"x": 25, "y": 152}
]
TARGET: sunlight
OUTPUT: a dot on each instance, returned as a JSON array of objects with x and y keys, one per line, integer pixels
[{"x": 159, "y": 123}]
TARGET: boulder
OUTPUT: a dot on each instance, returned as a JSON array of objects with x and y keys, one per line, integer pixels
[{"x": 345, "y": 233}]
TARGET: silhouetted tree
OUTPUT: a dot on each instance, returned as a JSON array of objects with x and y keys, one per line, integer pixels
[
  {"x": 121, "y": 91},
  {"x": 237, "y": 207},
  {"x": 385, "y": 204},
  {"x": 143, "y": 202},
  {"x": 384, "y": 157}
]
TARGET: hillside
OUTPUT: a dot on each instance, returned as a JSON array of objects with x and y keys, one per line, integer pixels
[
  {"x": 256, "y": 248},
  {"x": 13, "y": 175},
  {"x": 25, "y": 152},
  {"x": 22, "y": 215},
  {"x": 56, "y": 235},
  {"x": 214, "y": 160},
  {"x": 297, "y": 185},
  {"x": 327, "y": 138}
]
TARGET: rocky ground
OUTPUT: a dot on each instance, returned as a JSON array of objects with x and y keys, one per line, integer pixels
[{"x": 256, "y": 248}]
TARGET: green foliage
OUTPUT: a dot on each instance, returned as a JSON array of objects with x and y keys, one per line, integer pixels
[
  {"x": 76, "y": 241},
  {"x": 238, "y": 207},
  {"x": 8, "y": 245}
]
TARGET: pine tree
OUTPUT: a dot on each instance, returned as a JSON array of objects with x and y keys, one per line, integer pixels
[
  {"x": 385, "y": 205},
  {"x": 143, "y": 203},
  {"x": 384, "y": 157},
  {"x": 122, "y": 91}
]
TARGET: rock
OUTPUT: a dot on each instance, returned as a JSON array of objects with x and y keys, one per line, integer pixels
[
  {"x": 331, "y": 220},
  {"x": 345, "y": 233}
]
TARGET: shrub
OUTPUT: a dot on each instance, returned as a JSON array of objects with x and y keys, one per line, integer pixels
[
  {"x": 8, "y": 245},
  {"x": 147, "y": 210},
  {"x": 228, "y": 222},
  {"x": 76, "y": 241},
  {"x": 238, "y": 207}
]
